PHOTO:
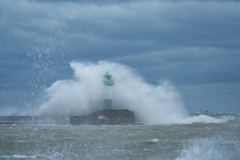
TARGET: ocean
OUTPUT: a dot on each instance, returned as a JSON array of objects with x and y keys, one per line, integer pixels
[{"x": 216, "y": 140}]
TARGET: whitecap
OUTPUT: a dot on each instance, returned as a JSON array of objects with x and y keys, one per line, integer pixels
[
  {"x": 18, "y": 156},
  {"x": 155, "y": 140},
  {"x": 201, "y": 119}
]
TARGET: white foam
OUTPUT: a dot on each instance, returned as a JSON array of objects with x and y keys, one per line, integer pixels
[
  {"x": 84, "y": 93},
  {"x": 201, "y": 119},
  {"x": 155, "y": 140},
  {"x": 17, "y": 156},
  {"x": 227, "y": 118},
  {"x": 208, "y": 149}
]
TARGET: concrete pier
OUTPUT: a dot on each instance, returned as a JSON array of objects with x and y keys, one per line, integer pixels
[
  {"x": 18, "y": 119},
  {"x": 109, "y": 117},
  {"x": 100, "y": 117}
]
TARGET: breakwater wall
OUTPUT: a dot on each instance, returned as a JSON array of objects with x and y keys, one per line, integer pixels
[{"x": 100, "y": 117}]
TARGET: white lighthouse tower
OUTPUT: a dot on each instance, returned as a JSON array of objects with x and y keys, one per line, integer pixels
[{"x": 108, "y": 83}]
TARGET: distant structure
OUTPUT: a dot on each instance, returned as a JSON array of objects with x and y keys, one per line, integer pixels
[
  {"x": 203, "y": 112},
  {"x": 108, "y": 83}
]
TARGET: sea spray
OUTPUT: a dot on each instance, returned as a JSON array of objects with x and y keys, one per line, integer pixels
[
  {"x": 203, "y": 119},
  {"x": 152, "y": 104}
]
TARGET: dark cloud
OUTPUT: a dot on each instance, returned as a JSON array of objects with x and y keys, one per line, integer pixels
[{"x": 188, "y": 42}]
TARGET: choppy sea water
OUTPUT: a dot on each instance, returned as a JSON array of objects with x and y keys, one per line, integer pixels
[{"x": 191, "y": 141}]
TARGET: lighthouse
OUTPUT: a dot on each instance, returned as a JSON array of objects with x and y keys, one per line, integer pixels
[
  {"x": 108, "y": 83},
  {"x": 107, "y": 114}
]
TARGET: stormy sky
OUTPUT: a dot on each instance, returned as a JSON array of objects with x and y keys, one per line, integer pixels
[{"x": 193, "y": 44}]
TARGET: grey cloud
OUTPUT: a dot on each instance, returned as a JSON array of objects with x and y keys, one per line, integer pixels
[
  {"x": 127, "y": 20},
  {"x": 188, "y": 42},
  {"x": 188, "y": 65},
  {"x": 204, "y": 96},
  {"x": 128, "y": 27}
]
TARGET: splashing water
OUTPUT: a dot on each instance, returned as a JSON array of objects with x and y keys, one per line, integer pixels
[{"x": 85, "y": 93}]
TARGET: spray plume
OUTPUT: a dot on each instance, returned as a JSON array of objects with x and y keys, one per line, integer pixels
[{"x": 85, "y": 93}]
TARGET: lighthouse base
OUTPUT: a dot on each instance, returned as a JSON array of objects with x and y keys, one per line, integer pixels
[{"x": 108, "y": 117}]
